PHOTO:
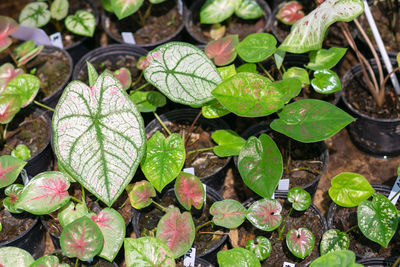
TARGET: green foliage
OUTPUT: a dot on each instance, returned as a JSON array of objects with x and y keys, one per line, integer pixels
[
  {"x": 229, "y": 143},
  {"x": 81, "y": 23},
  {"x": 298, "y": 73},
  {"x": 10, "y": 168},
  {"x": 299, "y": 198},
  {"x": 325, "y": 59},
  {"x": 300, "y": 242},
  {"x": 36, "y": 15},
  {"x": 261, "y": 248},
  {"x": 257, "y": 47},
  {"x": 123, "y": 8},
  {"x": 59, "y": 9},
  {"x": 216, "y": 11},
  {"x": 340, "y": 258},
  {"x": 140, "y": 194},
  {"x": 228, "y": 213},
  {"x": 326, "y": 82},
  {"x": 70, "y": 212},
  {"x": 237, "y": 257},
  {"x": 333, "y": 240},
  {"x": 13, "y": 256},
  {"x": 148, "y": 101},
  {"x": 21, "y": 152},
  {"x": 249, "y": 9}
]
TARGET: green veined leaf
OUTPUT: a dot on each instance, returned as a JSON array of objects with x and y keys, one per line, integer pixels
[
  {"x": 265, "y": 214},
  {"x": 10, "y": 168},
  {"x": 338, "y": 258},
  {"x": 228, "y": 213},
  {"x": 13, "y": 256},
  {"x": 325, "y": 58},
  {"x": 35, "y": 15},
  {"x": 249, "y": 9},
  {"x": 261, "y": 248},
  {"x": 213, "y": 110},
  {"x": 247, "y": 67},
  {"x": 125, "y": 8},
  {"x": 333, "y": 240},
  {"x": 21, "y": 152},
  {"x": 70, "y": 212},
  {"x": 81, "y": 23},
  {"x": 59, "y": 9},
  {"x": 216, "y": 11},
  {"x": 229, "y": 143},
  {"x": 237, "y": 257},
  {"x": 148, "y": 101},
  {"x": 300, "y": 242},
  {"x": 24, "y": 86},
  {"x": 257, "y": 47},
  {"x": 92, "y": 73},
  {"x": 299, "y": 198},
  {"x": 227, "y": 72},
  {"x": 298, "y": 73},
  {"x": 326, "y": 82}
]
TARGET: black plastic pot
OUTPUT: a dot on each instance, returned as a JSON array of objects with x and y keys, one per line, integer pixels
[
  {"x": 367, "y": 251},
  {"x": 375, "y": 136},
  {"x": 97, "y": 261},
  {"x": 215, "y": 180},
  {"x": 322, "y": 151},
  {"x": 209, "y": 255},
  {"x": 176, "y": 36},
  {"x": 192, "y": 17},
  {"x": 377, "y": 262}
]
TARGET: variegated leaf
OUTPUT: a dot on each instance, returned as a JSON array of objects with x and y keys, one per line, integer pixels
[
  {"x": 12, "y": 192},
  {"x": 36, "y": 15},
  {"x": 333, "y": 240},
  {"x": 124, "y": 8},
  {"x": 59, "y": 9},
  {"x": 189, "y": 191},
  {"x": 70, "y": 212},
  {"x": 299, "y": 198},
  {"x": 249, "y": 9},
  {"x": 265, "y": 214},
  {"x": 7, "y": 27},
  {"x": 7, "y": 73},
  {"x": 223, "y": 51},
  {"x": 10, "y": 168},
  {"x": 300, "y": 242},
  {"x": 228, "y": 213},
  {"x": 140, "y": 194},
  {"x": 24, "y": 86},
  {"x": 216, "y": 11},
  {"x": 13, "y": 257},
  {"x": 81, "y": 23},
  {"x": 9, "y": 106}
]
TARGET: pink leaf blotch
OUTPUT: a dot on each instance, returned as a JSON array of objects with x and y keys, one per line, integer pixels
[
  {"x": 290, "y": 12},
  {"x": 265, "y": 214},
  {"x": 140, "y": 194},
  {"x": 7, "y": 27},
  {"x": 222, "y": 51},
  {"x": 124, "y": 77},
  {"x": 189, "y": 191},
  {"x": 7, "y": 73}
]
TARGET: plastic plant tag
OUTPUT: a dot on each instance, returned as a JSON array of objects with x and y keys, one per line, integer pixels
[
  {"x": 300, "y": 242},
  {"x": 189, "y": 170},
  {"x": 265, "y": 214},
  {"x": 180, "y": 7},
  {"x": 284, "y": 184},
  {"x": 26, "y": 33},
  {"x": 10, "y": 168},
  {"x": 128, "y": 38},
  {"x": 189, "y": 191},
  {"x": 333, "y": 240},
  {"x": 394, "y": 191},
  {"x": 56, "y": 40},
  {"x": 13, "y": 256},
  {"x": 237, "y": 257},
  {"x": 288, "y": 264},
  {"x": 228, "y": 213},
  {"x": 24, "y": 176},
  {"x": 140, "y": 194},
  {"x": 189, "y": 258}
]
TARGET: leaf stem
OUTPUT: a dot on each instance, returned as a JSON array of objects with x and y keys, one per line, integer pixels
[
  {"x": 280, "y": 231},
  {"x": 202, "y": 225},
  {"x": 137, "y": 80},
  {"x": 397, "y": 262},
  {"x": 305, "y": 169},
  {"x": 43, "y": 105},
  {"x": 7, "y": 146},
  {"x": 83, "y": 195},
  {"x": 12, "y": 56},
  {"x": 266, "y": 72},
  {"x": 76, "y": 200},
  {"x": 213, "y": 233},
  {"x": 191, "y": 127},
  {"x": 200, "y": 150},
  {"x": 162, "y": 124},
  {"x": 76, "y": 262},
  {"x": 5, "y": 132},
  {"x": 141, "y": 87},
  {"x": 162, "y": 208},
  {"x": 351, "y": 228}
]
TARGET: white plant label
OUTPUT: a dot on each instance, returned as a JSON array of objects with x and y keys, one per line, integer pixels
[
  {"x": 189, "y": 170},
  {"x": 283, "y": 185},
  {"x": 24, "y": 176},
  {"x": 180, "y": 7},
  {"x": 288, "y": 264},
  {"x": 395, "y": 189},
  {"x": 189, "y": 258},
  {"x": 128, "y": 37},
  {"x": 205, "y": 193},
  {"x": 25, "y": 33},
  {"x": 56, "y": 40}
]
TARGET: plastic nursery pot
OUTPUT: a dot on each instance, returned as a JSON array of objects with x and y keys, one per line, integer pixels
[
  {"x": 374, "y": 133},
  {"x": 198, "y": 262},
  {"x": 311, "y": 219},
  {"x": 317, "y": 158},
  {"x": 377, "y": 262},
  {"x": 238, "y": 26},
  {"x": 146, "y": 220},
  {"x": 343, "y": 218},
  {"x": 208, "y": 167},
  {"x": 164, "y": 24},
  {"x": 97, "y": 261}
]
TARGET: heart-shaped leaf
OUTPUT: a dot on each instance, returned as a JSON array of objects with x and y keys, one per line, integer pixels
[
  {"x": 9, "y": 106},
  {"x": 124, "y": 8},
  {"x": 249, "y": 9},
  {"x": 148, "y": 101},
  {"x": 10, "y": 168},
  {"x": 257, "y": 47},
  {"x": 290, "y": 12},
  {"x": 229, "y": 143},
  {"x": 265, "y": 214},
  {"x": 300, "y": 242},
  {"x": 12, "y": 192},
  {"x": 45, "y": 193},
  {"x": 298, "y": 73},
  {"x": 289, "y": 88},
  {"x": 349, "y": 189},
  {"x": 21, "y": 152},
  {"x": 124, "y": 77},
  {"x": 299, "y": 198},
  {"x": 333, "y": 240},
  {"x": 70, "y": 212},
  {"x": 336, "y": 259},
  {"x": 261, "y": 248},
  {"x": 59, "y": 9},
  {"x": 260, "y": 165},
  {"x": 227, "y": 72},
  {"x": 25, "y": 86},
  {"x": 325, "y": 59},
  {"x": 223, "y": 51},
  {"x": 98, "y": 136},
  {"x": 7, "y": 27},
  {"x": 308, "y": 33},
  {"x": 228, "y": 213},
  {"x": 279, "y": 56},
  {"x": 216, "y": 11},
  {"x": 237, "y": 257},
  {"x": 177, "y": 231},
  {"x": 249, "y": 95},
  {"x": 142, "y": 63},
  {"x": 81, "y": 23},
  {"x": 326, "y": 82},
  {"x": 213, "y": 110},
  {"x": 112, "y": 226},
  {"x": 310, "y": 120},
  {"x": 48, "y": 261},
  {"x": 23, "y": 49},
  {"x": 7, "y": 73},
  {"x": 35, "y": 15},
  {"x": 164, "y": 159},
  {"x": 92, "y": 73},
  {"x": 189, "y": 191},
  {"x": 183, "y": 73},
  {"x": 13, "y": 256},
  {"x": 81, "y": 239},
  {"x": 147, "y": 251},
  {"x": 247, "y": 67},
  {"x": 140, "y": 194},
  {"x": 378, "y": 219}
]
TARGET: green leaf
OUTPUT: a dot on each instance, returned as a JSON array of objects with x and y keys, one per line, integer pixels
[
  {"x": 29, "y": 56},
  {"x": 298, "y": 73},
  {"x": 289, "y": 88},
  {"x": 398, "y": 59},
  {"x": 279, "y": 56},
  {"x": 326, "y": 82},
  {"x": 237, "y": 257},
  {"x": 35, "y": 15},
  {"x": 229, "y": 143},
  {"x": 148, "y": 101},
  {"x": 216, "y": 11},
  {"x": 378, "y": 219},
  {"x": 260, "y": 165},
  {"x": 81, "y": 239},
  {"x": 247, "y": 67},
  {"x": 157, "y": 1},
  {"x": 183, "y": 73},
  {"x": 334, "y": 240},
  {"x": 13, "y": 193},
  {"x": 10, "y": 168},
  {"x": 98, "y": 136},
  {"x": 45, "y": 193},
  {"x": 46, "y": 261},
  {"x": 21, "y": 152},
  {"x": 23, "y": 49},
  {"x": 308, "y": 33},
  {"x": 256, "y": 47},
  {"x": 70, "y": 212},
  {"x": 299, "y": 198},
  {"x": 140, "y": 194},
  {"x": 164, "y": 159},
  {"x": 92, "y": 73},
  {"x": 228, "y": 213},
  {"x": 349, "y": 189},
  {"x": 10, "y": 105},
  {"x": 265, "y": 214},
  {"x": 213, "y": 110},
  {"x": 59, "y": 9},
  {"x": 340, "y": 258},
  {"x": 124, "y": 8},
  {"x": 227, "y": 72},
  {"x": 325, "y": 59},
  {"x": 300, "y": 242},
  {"x": 81, "y": 23},
  {"x": 107, "y": 5},
  {"x": 25, "y": 86},
  {"x": 249, "y": 95},
  {"x": 12, "y": 257},
  {"x": 310, "y": 120},
  {"x": 189, "y": 191},
  {"x": 261, "y": 249},
  {"x": 147, "y": 252},
  {"x": 249, "y": 9}
]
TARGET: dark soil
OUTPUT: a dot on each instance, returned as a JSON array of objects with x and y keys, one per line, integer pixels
[
  {"x": 97, "y": 261},
  {"x": 280, "y": 253},
  {"x": 163, "y": 22},
  {"x": 14, "y": 224},
  {"x": 149, "y": 220}
]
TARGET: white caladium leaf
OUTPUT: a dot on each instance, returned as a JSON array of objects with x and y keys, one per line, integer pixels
[
  {"x": 308, "y": 33},
  {"x": 216, "y": 11},
  {"x": 99, "y": 136},
  {"x": 124, "y": 8},
  {"x": 35, "y": 15},
  {"x": 59, "y": 9},
  {"x": 249, "y": 9},
  {"x": 81, "y": 23},
  {"x": 183, "y": 73}
]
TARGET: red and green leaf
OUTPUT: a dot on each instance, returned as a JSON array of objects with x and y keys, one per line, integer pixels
[
  {"x": 30, "y": 55},
  {"x": 265, "y": 214},
  {"x": 9, "y": 106},
  {"x": 177, "y": 231},
  {"x": 124, "y": 77},
  {"x": 299, "y": 198},
  {"x": 7, "y": 73},
  {"x": 45, "y": 193},
  {"x": 12, "y": 192},
  {"x": 290, "y": 12},
  {"x": 25, "y": 87},
  {"x": 223, "y": 51},
  {"x": 189, "y": 191},
  {"x": 140, "y": 194},
  {"x": 81, "y": 239},
  {"x": 228, "y": 213},
  {"x": 7, "y": 27},
  {"x": 300, "y": 242},
  {"x": 10, "y": 168},
  {"x": 70, "y": 212},
  {"x": 142, "y": 63}
]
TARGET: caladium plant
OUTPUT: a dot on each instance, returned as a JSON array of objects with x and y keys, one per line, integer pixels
[{"x": 290, "y": 12}]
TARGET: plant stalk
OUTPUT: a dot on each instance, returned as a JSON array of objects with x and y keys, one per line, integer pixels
[
  {"x": 43, "y": 106},
  {"x": 202, "y": 225},
  {"x": 162, "y": 124},
  {"x": 76, "y": 200},
  {"x": 351, "y": 228},
  {"x": 138, "y": 79},
  {"x": 397, "y": 262},
  {"x": 200, "y": 150},
  {"x": 266, "y": 72},
  {"x": 191, "y": 127},
  {"x": 280, "y": 231},
  {"x": 12, "y": 56},
  {"x": 141, "y": 87},
  {"x": 213, "y": 233},
  {"x": 162, "y": 208}
]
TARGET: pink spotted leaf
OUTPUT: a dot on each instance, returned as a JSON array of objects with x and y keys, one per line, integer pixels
[
  {"x": 228, "y": 213},
  {"x": 45, "y": 193},
  {"x": 189, "y": 191},
  {"x": 7, "y": 73},
  {"x": 10, "y": 105},
  {"x": 124, "y": 77},
  {"x": 265, "y": 214},
  {"x": 300, "y": 242},
  {"x": 142, "y": 63},
  {"x": 12, "y": 192},
  {"x": 290, "y": 12},
  {"x": 140, "y": 194},
  {"x": 10, "y": 168},
  {"x": 177, "y": 230},
  {"x": 7, "y": 27},
  {"x": 223, "y": 51}
]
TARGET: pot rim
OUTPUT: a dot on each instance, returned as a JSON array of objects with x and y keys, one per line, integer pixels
[{"x": 22, "y": 235}]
